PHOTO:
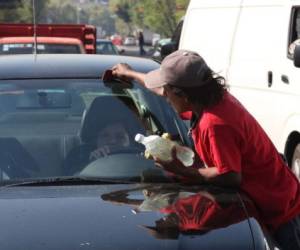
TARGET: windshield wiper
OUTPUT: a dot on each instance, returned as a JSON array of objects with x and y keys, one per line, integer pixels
[{"x": 70, "y": 180}]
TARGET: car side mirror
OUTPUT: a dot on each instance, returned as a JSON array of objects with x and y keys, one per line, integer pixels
[
  {"x": 296, "y": 57},
  {"x": 167, "y": 49}
]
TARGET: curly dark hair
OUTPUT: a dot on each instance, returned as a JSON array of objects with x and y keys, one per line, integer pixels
[{"x": 208, "y": 94}]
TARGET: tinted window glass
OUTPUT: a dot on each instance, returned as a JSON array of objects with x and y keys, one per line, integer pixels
[
  {"x": 77, "y": 127},
  {"x": 106, "y": 48},
  {"x": 7, "y": 49},
  {"x": 294, "y": 31}
]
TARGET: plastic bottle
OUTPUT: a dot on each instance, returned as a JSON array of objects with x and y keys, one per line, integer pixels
[{"x": 161, "y": 147}]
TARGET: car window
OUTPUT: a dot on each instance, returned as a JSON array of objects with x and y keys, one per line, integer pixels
[
  {"x": 77, "y": 127},
  {"x": 106, "y": 48},
  {"x": 59, "y": 48},
  {"x": 6, "y": 49},
  {"x": 27, "y": 48},
  {"x": 294, "y": 36}
]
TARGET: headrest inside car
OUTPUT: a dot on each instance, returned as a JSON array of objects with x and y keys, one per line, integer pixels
[{"x": 106, "y": 110}]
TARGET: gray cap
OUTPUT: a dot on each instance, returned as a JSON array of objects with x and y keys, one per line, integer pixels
[{"x": 182, "y": 68}]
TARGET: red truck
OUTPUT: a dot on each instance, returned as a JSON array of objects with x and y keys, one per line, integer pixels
[{"x": 51, "y": 38}]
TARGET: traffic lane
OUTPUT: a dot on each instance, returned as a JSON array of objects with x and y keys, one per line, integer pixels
[{"x": 135, "y": 50}]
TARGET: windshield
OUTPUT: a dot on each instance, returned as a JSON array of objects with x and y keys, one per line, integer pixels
[
  {"x": 52, "y": 128},
  {"x": 27, "y": 48},
  {"x": 80, "y": 127}
]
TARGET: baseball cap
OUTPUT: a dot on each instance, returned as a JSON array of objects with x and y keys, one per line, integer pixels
[{"x": 181, "y": 68}]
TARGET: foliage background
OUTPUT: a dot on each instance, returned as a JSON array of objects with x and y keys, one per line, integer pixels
[{"x": 121, "y": 16}]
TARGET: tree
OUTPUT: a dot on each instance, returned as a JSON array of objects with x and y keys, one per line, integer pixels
[
  {"x": 62, "y": 12},
  {"x": 22, "y": 11},
  {"x": 9, "y": 3},
  {"x": 122, "y": 9},
  {"x": 160, "y": 16},
  {"x": 101, "y": 17},
  {"x": 181, "y": 6},
  {"x": 162, "y": 21}
]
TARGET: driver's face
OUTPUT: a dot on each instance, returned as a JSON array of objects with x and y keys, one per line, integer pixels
[{"x": 113, "y": 135}]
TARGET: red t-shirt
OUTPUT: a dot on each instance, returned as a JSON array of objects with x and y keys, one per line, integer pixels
[{"x": 229, "y": 138}]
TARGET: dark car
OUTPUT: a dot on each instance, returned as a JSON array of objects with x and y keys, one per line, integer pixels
[
  {"x": 72, "y": 176},
  {"x": 106, "y": 47},
  {"x": 157, "y": 55}
]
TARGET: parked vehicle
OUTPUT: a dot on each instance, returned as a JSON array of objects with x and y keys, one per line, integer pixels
[
  {"x": 72, "y": 191},
  {"x": 116, "y": 39},
  {"x": 106, "y": 47},
  {"x": 155, "y": 39},
  {"x": 51, "y": 38},
  {"x": 130, "y": 41},
  {"x": 157, "y": 48},
  {"x": 261, "y": 73}
]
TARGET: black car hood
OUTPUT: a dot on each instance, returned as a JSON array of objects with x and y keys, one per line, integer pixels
[{"x": 122, "y": 217}]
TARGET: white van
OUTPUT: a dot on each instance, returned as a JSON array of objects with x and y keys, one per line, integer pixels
[{"x": 250, "y": 43}]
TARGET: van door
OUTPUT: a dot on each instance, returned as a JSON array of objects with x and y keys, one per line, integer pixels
[
  {"x": 288, "y": 83},
  {"x": 256, "y": 57},
  {"x": 208, "y": 29}
]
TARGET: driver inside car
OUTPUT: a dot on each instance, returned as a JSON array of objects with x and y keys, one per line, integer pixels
[
  {"x": 108, "y": 138},
  {"x": 104, "y": 133}
]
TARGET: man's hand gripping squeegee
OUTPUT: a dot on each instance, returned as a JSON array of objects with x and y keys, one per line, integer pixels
[{"x": 109, "y": 79}]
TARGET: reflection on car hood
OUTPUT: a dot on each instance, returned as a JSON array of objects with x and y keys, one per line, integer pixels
[{"x": 122, "y": 217}]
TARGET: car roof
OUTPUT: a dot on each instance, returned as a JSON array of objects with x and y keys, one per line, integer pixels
[
  {"x": 56, "y": 40},
  {"x": 66, "y": 65}
]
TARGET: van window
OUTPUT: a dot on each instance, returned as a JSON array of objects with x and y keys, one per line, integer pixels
[{"x": 294, "y": 37}]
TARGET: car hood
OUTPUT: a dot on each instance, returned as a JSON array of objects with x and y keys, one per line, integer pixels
[{"x": 149, "y": 216}]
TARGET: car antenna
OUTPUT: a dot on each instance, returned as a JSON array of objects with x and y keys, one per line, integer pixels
[{"x": 34, "y": 28}]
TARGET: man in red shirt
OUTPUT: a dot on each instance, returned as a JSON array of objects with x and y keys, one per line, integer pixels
[{"x": 234, "y": 148}]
